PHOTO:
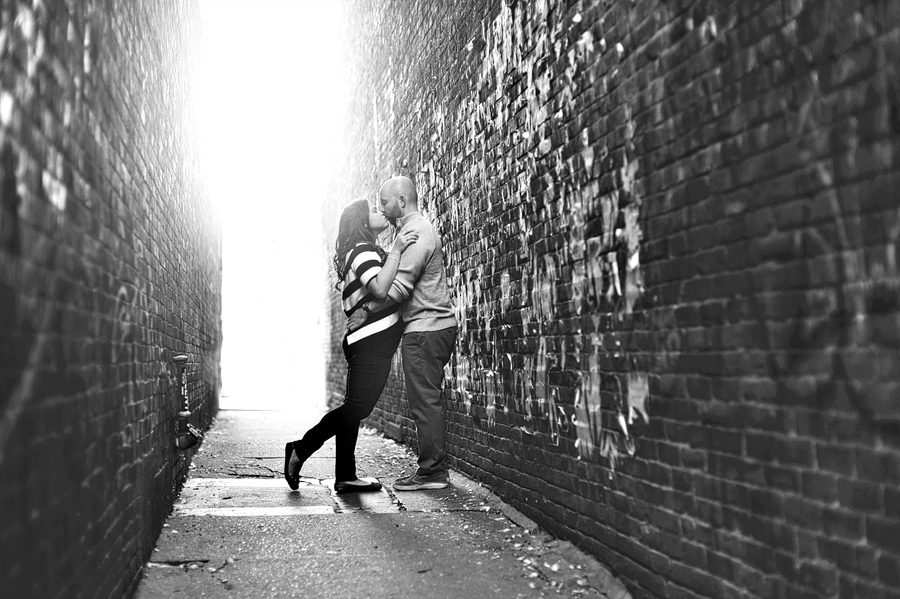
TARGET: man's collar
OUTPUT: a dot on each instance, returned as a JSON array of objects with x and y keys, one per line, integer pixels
[{"x": 408, "y": 218}]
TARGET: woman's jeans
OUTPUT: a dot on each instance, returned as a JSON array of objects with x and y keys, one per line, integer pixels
[{"x": 367, "y": 374}]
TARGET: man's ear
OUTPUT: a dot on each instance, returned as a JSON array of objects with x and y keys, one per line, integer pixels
[{"x": 402, "y": 200}]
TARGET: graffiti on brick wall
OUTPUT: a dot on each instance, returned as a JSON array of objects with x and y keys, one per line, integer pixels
[
  {"x": 545, "y": 266},
  {"x": 125, "y": 320},
  {"x": 611, "y": 282},
  {"x": 855, "y": 288},
  {"x": 23, "y": 179},
  {"x": 10, "y": 227},
  {"x": 18, "y": 354},
  {"x": 44, "y": 338}
]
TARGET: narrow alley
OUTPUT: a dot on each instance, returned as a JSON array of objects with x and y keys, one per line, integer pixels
[
  {"x": 238, "y": 530},
  {"x": 627, "y": 270}
]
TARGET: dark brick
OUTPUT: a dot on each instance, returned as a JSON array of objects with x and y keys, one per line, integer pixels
[
  {"x": 695, "y": 459},
  {"x": 835, "y": 458},
  {"x": 765, "y": 502},
  {"x": 845, "y": 525},
  {"x": 110, "y": 264},
  {"x": 839, "y": 552},
  {"x": 859, "y": 496},
  {"x": 786, "y": 479},
  {"x": 820, "y": 578},
  {"x": 764, "y": 206},
  {"x": 696, "y": 580},
  {"x": 889, "y": 570},
  {"x": 760, "y": 447},
  {"x": 877, "y": 466},
  {"x": 892, "y": 502},
  {"x": 883, "y": 533},
  {"x": 720, "y": 566},
  {"x": 797, "y": 452},
  {"x": 803, "y": 513},
  {"x": 823, "y": 487}
]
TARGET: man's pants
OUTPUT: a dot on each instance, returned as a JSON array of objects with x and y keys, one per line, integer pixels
[{"x": 424, "y": 356}]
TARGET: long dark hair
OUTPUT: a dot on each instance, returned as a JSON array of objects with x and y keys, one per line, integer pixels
[{"x": 353, "y": 229}]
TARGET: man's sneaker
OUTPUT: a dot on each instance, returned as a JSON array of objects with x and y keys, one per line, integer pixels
[{"x": 414, "y": 482}]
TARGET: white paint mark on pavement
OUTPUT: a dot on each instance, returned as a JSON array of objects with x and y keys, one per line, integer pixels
[
  {"x": 286, "y": 510},
  {"x": 202, "y": 483}
]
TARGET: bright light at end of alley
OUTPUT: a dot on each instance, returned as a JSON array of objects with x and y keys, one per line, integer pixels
[{"x": 269, "y": 116}]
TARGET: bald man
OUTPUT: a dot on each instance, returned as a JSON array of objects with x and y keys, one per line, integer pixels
[{"x": 429, "y": 333}]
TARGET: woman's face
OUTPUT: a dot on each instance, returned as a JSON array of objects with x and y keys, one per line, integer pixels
[{"x": 377, "y": 221}]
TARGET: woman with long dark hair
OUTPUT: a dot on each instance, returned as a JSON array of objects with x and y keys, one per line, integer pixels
[{"x": 364, "y": 272}]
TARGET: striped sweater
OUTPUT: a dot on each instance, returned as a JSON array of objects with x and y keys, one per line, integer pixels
[{"x": 382, "y": 328}]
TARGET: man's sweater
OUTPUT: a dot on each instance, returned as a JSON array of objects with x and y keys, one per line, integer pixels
[{"x": 420, "y": 285}]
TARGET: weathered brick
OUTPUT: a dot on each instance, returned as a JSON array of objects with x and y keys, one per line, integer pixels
[
  {"x": 751, "y": 143},
  {"x": 110, "y": 264},
  {"x": 889, "y": 570},
  {"x": 883, "y": 533},
  {"x": 834, "y": 458},
  {"x": 841, "y": 524}
]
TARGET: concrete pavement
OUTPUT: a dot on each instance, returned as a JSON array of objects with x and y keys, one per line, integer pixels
[{"x": 238, "y": 531}]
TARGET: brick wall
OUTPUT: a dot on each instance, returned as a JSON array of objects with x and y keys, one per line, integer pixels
[
  {"x": 671, "y": 231},
  {"x": 109, "y": 266}
]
